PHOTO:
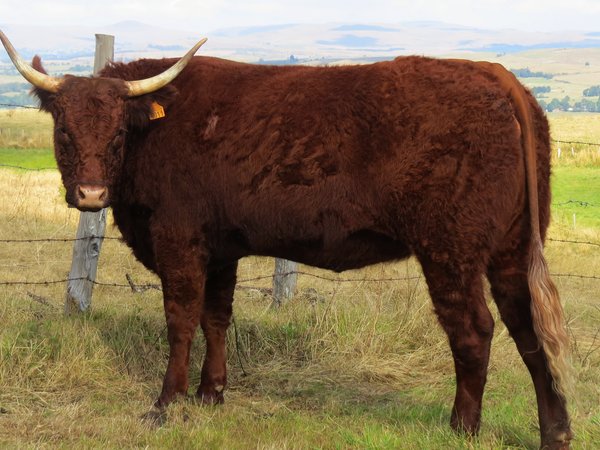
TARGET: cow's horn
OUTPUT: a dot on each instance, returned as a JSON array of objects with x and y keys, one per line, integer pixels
[
  {"x": 38, "y": 79},
  {"x": 148, "y": 85}
]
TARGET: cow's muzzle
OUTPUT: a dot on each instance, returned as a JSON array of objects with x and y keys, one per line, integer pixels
[{"x": 91, "y": 197}]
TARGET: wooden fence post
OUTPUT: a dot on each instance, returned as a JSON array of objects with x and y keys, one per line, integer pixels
[
  {"x": 90, "y": 232},
  {"x": 284, "y": 281}
]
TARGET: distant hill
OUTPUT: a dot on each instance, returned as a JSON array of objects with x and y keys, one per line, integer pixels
[
  {"x": 276, "y": 42},
  {"x": 569, "y": 60}
]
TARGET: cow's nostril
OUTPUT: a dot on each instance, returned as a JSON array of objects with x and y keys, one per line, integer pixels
[{"x": 91, "y": 197}]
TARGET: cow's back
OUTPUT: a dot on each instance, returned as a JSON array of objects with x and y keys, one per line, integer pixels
[{"x": 285, "y": 158}]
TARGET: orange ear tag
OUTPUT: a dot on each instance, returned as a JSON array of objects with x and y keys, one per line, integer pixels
[{"x": 157, "y": 111}]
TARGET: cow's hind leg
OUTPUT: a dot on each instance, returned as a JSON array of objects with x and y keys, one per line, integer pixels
[
  {"x": 457, "y": 294},
  {"x": 508, "y": 278},
  {"x": 215, "y": 321}
]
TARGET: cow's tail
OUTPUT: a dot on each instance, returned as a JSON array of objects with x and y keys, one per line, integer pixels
[{"x": 546, "y": 309}]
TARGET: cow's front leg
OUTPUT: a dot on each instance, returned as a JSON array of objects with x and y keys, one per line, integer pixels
[
  {"x": 215, "y": 319},
  {"x": 181, "y": 265}
]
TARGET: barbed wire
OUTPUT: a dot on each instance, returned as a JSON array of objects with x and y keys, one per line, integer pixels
[
  {"x": 597, "y": 244},
  {"x": 30, "y": 169},
  {"x": 335, "y": 280},
  {"x": 574, "y": 275},
  {"x": 246, "y": 280},
  {"x": 578, "y": 202},
  {"x": 139, "y": 288},
  {"x": 574, "y": 142},
  {"x": 27, "y": 241},
  {"x": 259, "y": 278},
  {"x": 116, "y": 238},
  {"x": 10, "y": 105},
  {"x": 240, "y": 283}
]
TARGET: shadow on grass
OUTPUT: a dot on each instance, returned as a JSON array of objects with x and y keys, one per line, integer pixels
[
  {"x": 367, "y": 403},
  {"x": 137, "y": 341}
]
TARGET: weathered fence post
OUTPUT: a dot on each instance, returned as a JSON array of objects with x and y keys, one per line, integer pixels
[
  {"x": 105, "y": 51},
  {"x": 90, "y": 232},
  {"x": 284, "y": 281}
]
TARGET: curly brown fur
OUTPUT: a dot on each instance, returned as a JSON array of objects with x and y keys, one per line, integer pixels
[{"x": 334, "y": 167}]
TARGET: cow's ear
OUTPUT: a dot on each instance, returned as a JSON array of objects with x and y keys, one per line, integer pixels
[
  {"x": 46, "y": 98},
  {"x": 145, "y": 108}
]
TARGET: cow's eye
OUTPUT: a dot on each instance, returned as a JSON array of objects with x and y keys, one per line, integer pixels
[{"x": 118, "y": 139}]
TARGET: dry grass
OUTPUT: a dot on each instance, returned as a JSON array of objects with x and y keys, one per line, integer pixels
[
  {"x": 578, "y": 127},
  {"x": 347, "y": 365},
  {"x": 575, "y": 126},
  {"x": 575, "y": 155},
  {"x": 37, "y": 198},
  {"x": 25, "y": 128}
]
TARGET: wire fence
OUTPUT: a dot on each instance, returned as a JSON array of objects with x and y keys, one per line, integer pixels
[
  {"x": 114, "y": 238},
  {"x": 242, "y": 282},
  {"x": 557, "y": 141},
  {"x": 27, "y": 169},
  {"x": 10, "y": 105}
]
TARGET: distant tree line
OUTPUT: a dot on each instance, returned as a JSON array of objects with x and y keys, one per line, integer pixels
[
  {"x": 16, "y": 94},
  {"x": 537, "y": 90},
  {"x": 586, "y": 104},
  {"x": 20, "y": 99},
  {"x": 566, "y": 104},
  {"x": 593, "y": 91},
  {"x": 527, "y": 73},
  {"x": 14, "y": 87}
]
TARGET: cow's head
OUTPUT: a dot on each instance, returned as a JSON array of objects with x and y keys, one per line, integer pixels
[{"x": 91, "y": 119}]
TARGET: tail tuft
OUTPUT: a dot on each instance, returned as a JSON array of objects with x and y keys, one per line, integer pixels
[{"x": 549, "y": 323}]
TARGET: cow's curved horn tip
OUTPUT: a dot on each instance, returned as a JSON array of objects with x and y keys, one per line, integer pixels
[{"x": 200, "y": 43}]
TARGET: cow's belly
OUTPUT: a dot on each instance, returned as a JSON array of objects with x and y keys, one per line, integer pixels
[{"x": 360, "y": 249}]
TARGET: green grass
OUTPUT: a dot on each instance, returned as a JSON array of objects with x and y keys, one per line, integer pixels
[
  {"x": 576, "y": 192},
  {"x": 86, "y": 381},
  {"x": 31, "y": 158},
  {"x": 366, "y": 366}
]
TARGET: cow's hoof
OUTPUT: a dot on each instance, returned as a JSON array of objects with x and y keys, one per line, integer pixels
[
  {"x": 466, "y": 425},
  {"x": 208, "y": 395},
  {"x": 558, "y": 440},
  {"x": 156, "y": 417},
  {"x": 557, "y": 445}
]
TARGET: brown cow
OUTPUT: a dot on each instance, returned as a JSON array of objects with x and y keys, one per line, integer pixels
[{"x": 333, "y": 167}]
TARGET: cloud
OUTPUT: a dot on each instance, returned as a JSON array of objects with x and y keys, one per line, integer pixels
[{"x": 212, "y": 14}]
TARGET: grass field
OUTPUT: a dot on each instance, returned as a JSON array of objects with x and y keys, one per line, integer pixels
[
  {"x": 25, "y": 129},
  {"x": 576, "y": 196},
  {"x": 584, "y": 127},
  {"x": 359, "y": 365}
]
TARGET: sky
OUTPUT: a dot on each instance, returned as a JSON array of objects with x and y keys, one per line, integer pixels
[{"x": 210, "y": 15}]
